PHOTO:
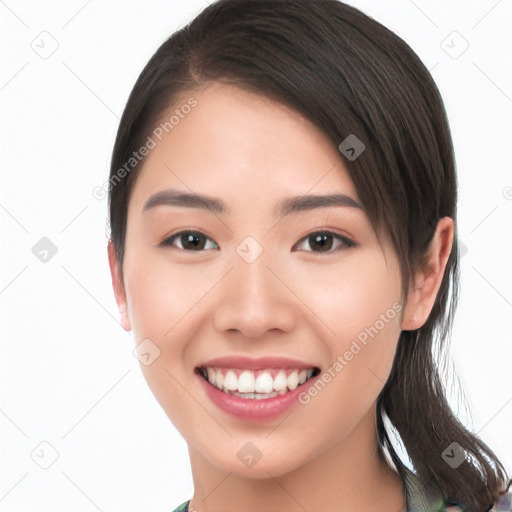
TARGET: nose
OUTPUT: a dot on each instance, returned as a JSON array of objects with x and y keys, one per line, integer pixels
[{"x": 255, "y": 299}]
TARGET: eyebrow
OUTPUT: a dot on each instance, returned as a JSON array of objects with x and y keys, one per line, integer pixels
[{"x": 174, "y": 197}]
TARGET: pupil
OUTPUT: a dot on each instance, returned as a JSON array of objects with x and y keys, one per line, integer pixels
[
  {"x": 194, "y": 240},
  {"x": 322, "y": 240}
]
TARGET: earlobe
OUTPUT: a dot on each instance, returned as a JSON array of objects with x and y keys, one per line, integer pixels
[
  {"x": 427, "y": 280},
  {"x": 413, "y": 314},
  {"x": 125, "y": 319},
  {"x": 118, "y": 287}
]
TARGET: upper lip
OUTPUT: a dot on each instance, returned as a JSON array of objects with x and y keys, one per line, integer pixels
[{"x": 260, "y": 363}]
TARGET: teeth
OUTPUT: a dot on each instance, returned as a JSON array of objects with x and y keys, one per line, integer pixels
[
  {"x": 257, "y": 396},
  {"x": 256, "y": 384},
  {"x": 280, "y": 381},
  {"x": 219, "y": 379},
  {"x": 263, "y": 383},
  {"x": 211, "y": 375},
  {"x": 230, "y": 382},
  {"x": 293, "y": 380},
  {"x": 246, "y": 382}
]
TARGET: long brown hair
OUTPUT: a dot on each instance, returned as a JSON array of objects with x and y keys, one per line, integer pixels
[{"x": 347, "y": 74}]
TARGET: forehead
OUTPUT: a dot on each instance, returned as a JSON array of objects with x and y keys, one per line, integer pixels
[{"x": 240, "y": 146}]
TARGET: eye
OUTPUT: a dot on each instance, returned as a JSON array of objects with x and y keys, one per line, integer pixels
[
  {"x": 189, "y": 241},
  {"x": 323, "y": 242}
]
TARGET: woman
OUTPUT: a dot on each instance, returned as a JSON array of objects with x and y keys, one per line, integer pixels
[{"x": 283, "y": 245}]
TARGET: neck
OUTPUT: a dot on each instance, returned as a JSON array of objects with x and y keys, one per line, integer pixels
[{"x": 348, "y": 476}]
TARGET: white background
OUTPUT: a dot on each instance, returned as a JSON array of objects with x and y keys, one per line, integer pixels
[{"x": 68, "y": 375}]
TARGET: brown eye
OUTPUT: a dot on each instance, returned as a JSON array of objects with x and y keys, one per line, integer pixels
[
  {"x": 320, "y": 241},
  {"x": 323, "y": 242},
  {"x": 189, "y": 241}
]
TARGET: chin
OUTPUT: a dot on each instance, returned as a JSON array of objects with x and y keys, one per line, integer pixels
[{"x": 264, "y": 467}]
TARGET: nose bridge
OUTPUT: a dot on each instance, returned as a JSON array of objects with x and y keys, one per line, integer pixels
[
  {"x": 254, "y": 283},
  {"x": 253, "y": 300},
  {"x": 251, "y": 274},
  {"x": 253, "y": 278}
]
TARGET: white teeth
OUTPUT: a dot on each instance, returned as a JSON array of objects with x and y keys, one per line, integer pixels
[
  {"x": 230, "y": 381},
  {"x": 293, "y": 380},
  {"x": 263, "y": 383},
  {"x": 246, "y": 382},
  {"x": 280, "y": 381},
  {"x": 219, "y": 379},
  {"x": 211, "y": 375},
  {"x": 256, "y": 396},
  {"x": 258, "y": 384}
]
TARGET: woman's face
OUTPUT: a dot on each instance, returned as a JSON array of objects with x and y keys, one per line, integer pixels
[{"x": 258, "y": 278}]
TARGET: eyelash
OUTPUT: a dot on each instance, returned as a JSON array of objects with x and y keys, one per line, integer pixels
[{"x": 346, "y": 242}]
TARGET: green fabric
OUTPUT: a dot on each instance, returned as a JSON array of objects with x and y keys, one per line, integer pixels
[{"x": 183, "y": 507}]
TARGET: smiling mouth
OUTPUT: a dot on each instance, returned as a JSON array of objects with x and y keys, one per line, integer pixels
[{"x": 256, "y": 384}]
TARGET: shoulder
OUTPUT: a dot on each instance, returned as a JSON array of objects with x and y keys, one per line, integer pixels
[{"x": 183, "y": 507}]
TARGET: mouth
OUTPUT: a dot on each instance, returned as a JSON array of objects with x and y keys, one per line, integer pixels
[{"x": 258, "y": 384}]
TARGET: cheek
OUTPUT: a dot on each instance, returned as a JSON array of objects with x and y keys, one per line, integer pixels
[
  {"x": 163, "y": 297},
  {"x": 164, "y": 308},
  {"x": 357, "y": 309},
  {"x": 149, "y": 298},
  {"x": 350, "y": 297}
]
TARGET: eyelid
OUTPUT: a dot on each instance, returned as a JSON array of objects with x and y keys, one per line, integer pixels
[
  {"x": 169, "y": 240},
  {"x": 346, "y": 242}
]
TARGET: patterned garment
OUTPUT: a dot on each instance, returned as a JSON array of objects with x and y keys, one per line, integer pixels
[{"x": 420, "y": 501}]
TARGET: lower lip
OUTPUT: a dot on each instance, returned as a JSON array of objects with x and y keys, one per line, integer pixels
[{"x": 253, "y": 409}]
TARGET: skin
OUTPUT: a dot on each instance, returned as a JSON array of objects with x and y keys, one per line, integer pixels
[{"x": 197, "y": 305}]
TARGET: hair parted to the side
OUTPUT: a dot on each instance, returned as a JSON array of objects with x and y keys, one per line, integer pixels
[{"x": 347, "y": 74}]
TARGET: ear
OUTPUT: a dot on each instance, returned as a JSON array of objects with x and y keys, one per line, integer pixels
[
  {"x": 426, "y": 281},
  {"x": 118, "y": 286}
]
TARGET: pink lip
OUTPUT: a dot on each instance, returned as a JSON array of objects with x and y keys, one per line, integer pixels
[
  {"x": 261, "y": 363},
  {"x": 252, "y": 409}
]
